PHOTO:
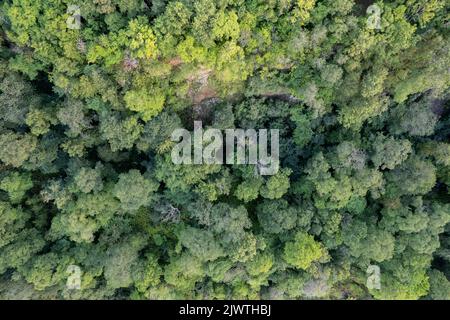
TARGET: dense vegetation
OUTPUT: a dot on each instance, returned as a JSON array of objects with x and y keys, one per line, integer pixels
[{"x": 86, "y": 177}]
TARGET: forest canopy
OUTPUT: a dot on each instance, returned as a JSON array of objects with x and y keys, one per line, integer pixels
[{"x": 90, "y": 92}]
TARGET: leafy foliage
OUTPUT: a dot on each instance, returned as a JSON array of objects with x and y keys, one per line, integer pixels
[{"x": 87, "y": 179}]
